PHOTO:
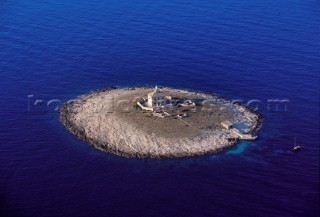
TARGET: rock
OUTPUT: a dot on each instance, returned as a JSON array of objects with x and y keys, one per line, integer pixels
[{"x": 106, "y": 119}]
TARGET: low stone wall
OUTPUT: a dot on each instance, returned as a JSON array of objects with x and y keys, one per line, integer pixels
[{"x": 144, "y": 107}]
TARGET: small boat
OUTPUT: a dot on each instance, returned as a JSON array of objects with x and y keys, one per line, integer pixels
[{"x": 296, "y": 147}]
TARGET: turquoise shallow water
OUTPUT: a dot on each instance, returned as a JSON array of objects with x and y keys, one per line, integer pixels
[
  {"x": 243, "y": 50},
  {"x": 238, "y": 149}
]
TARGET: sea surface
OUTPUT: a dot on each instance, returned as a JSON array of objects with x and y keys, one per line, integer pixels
[{"x": 265, "y": 53}]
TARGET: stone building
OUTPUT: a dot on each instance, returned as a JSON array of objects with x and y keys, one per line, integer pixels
[
  {"x": 227, "y": 125},
  {"x": 156, "y": 98}
]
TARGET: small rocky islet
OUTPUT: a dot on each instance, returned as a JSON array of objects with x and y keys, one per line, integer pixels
[{"x": 158, "y": 122}]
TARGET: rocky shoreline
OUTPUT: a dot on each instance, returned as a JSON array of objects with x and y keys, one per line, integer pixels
[{"x": 135, "y": 134}]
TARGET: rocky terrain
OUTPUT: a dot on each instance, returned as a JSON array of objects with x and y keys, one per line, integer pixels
[{"x": 109, "y": 120}]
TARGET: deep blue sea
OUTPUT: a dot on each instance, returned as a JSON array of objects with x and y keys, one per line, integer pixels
[{"x": 256, "y": 51}]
